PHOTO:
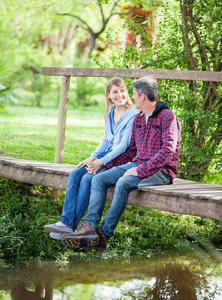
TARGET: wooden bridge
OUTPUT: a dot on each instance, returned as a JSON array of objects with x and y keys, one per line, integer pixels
[{"x": 182, "y": 197}]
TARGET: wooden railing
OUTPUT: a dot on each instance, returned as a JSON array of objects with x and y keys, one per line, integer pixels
[{"x": 66, "y": 73}]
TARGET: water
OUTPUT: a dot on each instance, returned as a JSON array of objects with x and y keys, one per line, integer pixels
[{"x": 166, "y": 276}]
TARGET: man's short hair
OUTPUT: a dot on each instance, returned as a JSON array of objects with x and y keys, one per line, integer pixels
[{"x": 148, "y": 86}]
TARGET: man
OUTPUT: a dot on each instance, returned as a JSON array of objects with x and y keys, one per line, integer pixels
[{"x": 151, "y": 159}]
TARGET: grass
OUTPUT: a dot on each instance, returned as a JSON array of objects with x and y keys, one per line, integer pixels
[{"x": 30, "y": 133}]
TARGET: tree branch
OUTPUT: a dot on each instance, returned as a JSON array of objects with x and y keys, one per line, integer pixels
[
  {"x": 191, "y": 61},
  {"x": 105, "y": 21},
  {"x": 87, "y": 28},
  {"x": 183, "y": 7},
  {"x": 201, "y": 169},
  {"x": 197, "y": 36},
  {"x": 101, "y": 10}
]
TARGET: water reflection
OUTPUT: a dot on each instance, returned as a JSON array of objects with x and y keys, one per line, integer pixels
[
  {"x": 160, "y": 277},
  {"x": 21, "y": 292}
]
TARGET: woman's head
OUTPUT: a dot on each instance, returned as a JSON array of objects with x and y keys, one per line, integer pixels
[{"x": 116, "y": 89}]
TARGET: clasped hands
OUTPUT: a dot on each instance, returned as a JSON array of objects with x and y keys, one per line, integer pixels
[{"x": 93, "y": 164}]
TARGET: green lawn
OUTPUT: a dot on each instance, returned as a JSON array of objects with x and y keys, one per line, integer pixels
[{"x": 30, "y": 133}]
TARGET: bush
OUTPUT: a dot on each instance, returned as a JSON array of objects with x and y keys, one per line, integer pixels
[{"x": 25, "y": 210}]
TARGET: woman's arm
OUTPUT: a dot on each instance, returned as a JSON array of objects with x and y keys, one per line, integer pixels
[
  {"x": 102, "y": 146},
  {"x": 119, "y": 147},
  {"x": 122, "y": 144}
]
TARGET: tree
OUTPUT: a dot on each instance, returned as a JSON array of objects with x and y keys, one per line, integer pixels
[
  {"x": 202, "y": 27},
  {"x": 93, "y": 34}
]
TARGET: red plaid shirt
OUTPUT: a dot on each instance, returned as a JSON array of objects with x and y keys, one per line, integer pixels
[{"x": 154, "y": 146}]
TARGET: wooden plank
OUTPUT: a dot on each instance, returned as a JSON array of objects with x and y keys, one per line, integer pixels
[
  {"x": 41, "y": 166},
  {"x": 183, "y": 181},
  {"x": 194, "y": 190},
  {"x": 194, "y": 185},
  {"x": 173, "y": 204},
  {"x": 134, "y": 73}
]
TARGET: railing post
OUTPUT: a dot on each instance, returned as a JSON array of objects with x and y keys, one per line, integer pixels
[{"x": 60, "y": 139}]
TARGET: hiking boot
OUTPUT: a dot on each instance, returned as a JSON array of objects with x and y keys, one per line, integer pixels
[
  {"x": 84, "y": 236},
  {"x": 102, "y": 244}
]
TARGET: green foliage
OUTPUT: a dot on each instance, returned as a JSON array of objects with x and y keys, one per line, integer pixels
[
  {"x": 33, "y": 35},
  {"x": 24, "y": 212},
  {"x": 25, "y": 209},
  {"x": 147, "y": 229},
  {"x": 7, "y": 95}
]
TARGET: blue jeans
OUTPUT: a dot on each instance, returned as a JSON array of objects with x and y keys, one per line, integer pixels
[
  {"x": 77, "y": 196},
  {"x": 124, "y": 185}
]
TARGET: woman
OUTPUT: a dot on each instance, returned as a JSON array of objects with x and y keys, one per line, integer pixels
[{"x": 119, "y": 117}]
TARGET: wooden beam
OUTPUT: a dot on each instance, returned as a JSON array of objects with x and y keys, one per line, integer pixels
[
  {"x": 134, "y": 73},
  {"x": 60, "y": 139}
]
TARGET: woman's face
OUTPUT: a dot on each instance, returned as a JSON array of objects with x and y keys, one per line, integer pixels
[{"x": 118, "y": 95}]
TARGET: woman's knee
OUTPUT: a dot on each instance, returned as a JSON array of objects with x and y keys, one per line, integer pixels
[
  {"x": 87, "y": 179},
  {"x": 76, "y": 174}
]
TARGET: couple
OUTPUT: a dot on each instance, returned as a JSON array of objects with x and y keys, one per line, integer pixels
[{"x": 138, "y": 149}]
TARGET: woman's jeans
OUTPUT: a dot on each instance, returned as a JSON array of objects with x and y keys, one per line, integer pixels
[
  {"x": 77, "y": 196},
  {"x": 123, "y": 186}
]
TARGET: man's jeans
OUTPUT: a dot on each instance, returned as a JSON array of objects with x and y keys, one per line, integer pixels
[
  {"x": 124, "y": 185},
  {"x": 77, "y": 196}
]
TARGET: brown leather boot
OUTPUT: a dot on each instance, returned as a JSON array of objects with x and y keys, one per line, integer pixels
[
  {"x": 102, "y": 244},
  {"x": 84, "y": 236}
]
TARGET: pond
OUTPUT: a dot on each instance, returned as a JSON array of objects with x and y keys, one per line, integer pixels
[{"x": 162, "y": 276}]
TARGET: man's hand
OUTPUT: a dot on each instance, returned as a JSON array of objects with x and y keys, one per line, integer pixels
[{"x": 131, "y": 172}]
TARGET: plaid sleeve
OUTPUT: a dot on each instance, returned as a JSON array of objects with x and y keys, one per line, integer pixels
[
  {"x": 127, "y": 155},
  {"x": 170, "y": 138}
]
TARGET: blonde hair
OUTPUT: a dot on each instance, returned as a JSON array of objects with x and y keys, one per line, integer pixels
[{"x": 120, "y": 83}]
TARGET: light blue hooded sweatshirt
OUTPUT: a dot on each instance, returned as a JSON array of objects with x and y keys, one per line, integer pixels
[{"x": 116, "y": 137}]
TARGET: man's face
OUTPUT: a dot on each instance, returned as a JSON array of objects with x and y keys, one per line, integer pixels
[{"x": 137, "y": 99}]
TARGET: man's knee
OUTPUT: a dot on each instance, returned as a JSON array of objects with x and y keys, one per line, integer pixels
[
  {"x": 123, "y": 184},
  {"x": 126, "y": 183},
  {"x": 97, "y": 179}
]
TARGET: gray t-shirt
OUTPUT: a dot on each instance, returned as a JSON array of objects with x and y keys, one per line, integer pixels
[{"x": 147, "y": 116}]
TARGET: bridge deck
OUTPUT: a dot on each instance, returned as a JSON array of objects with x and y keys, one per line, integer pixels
[{"x": 182, "y": 197}]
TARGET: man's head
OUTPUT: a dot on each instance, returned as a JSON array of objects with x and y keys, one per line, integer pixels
[
  {"x": 145, "y": 94},
  {"x": 148, "y": 86}
]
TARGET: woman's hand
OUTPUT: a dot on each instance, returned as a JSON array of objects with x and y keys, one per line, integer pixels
[
  {"x": 94, "y": 166},
  {"x": 85, "y": 162}
]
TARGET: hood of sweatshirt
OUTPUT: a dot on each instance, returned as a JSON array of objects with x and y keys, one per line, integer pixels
[{"x": 159, "y": 107}]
